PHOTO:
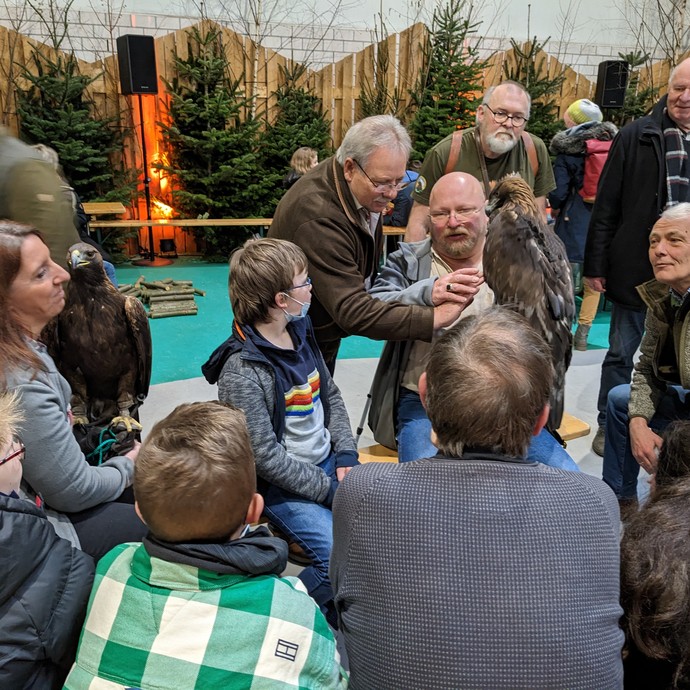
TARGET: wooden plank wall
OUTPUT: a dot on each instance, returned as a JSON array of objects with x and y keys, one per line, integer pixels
[{"x": 338, "y": 85}]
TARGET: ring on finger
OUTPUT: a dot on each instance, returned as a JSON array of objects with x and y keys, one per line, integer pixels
[{"x": 449, "y": 287}]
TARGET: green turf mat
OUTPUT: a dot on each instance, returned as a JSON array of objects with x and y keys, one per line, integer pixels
[{"x": 181, "y": 344}]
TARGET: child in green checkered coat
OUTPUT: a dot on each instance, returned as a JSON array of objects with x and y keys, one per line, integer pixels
[{"x": 200, "y": 604}]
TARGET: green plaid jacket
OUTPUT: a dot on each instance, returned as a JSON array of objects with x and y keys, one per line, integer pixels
[{"x": 155, "y": 624}]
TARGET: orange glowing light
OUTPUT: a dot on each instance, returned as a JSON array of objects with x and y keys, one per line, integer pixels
[{"x": 161, "y": 210}]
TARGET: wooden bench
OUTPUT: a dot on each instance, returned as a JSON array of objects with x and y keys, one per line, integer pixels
[
  {"x": 182, "y": 222},
  {"x": 102, "y": 208},
  {"x": 571, "y": 428}
]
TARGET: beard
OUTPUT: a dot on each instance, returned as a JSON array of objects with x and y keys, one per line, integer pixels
[
  {"x": 458, "y": 248},
  {"x": 501, "y": 142}
]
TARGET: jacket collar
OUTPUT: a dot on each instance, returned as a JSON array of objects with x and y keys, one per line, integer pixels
[
  {"x": 345, "y": 196},
  {"x": 258, "y": 553}
]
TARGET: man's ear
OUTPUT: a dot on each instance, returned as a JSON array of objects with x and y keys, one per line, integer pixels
[
  {"x": 422, "y": 389},
  {"x": 256, "y": 507},
  {"x": 349, "y": 169},
  {"x": 541, "y": 420},
  {"x": 138, "y": 512}
]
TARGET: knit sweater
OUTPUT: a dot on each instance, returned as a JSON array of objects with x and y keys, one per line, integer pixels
[{"x": 479, "y": 572}]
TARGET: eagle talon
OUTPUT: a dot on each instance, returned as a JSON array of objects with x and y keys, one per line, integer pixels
[{"x": 127, "y": 423}]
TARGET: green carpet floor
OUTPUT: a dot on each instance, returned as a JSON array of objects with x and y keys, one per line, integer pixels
[{"x": 182, "y": 344}]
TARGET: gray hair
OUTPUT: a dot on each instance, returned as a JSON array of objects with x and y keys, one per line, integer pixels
[
  {"x": 48, "y": 154},
  {"x": 509, "y": 82},
  {"x": 371, "y": 133},
  {"x": 677, "y": 212},
  {"x": 674, "y": 70}
]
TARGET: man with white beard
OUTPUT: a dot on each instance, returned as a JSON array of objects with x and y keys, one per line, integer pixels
[{"x": 497, "y": 146}]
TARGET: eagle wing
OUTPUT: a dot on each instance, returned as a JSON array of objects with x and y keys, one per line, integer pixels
[
  {"x": 138, "y": 323},
  {"x": 526, "y": 266}
]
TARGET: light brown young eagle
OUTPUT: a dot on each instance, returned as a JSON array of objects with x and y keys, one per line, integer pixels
[
  {"x": 526, "y": 265},
  {"x": 101, "y": 343}
]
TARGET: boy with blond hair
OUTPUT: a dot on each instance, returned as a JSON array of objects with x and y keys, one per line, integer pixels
[
  {"x": 200, "y": 604},
  {"x": 271, "y": 367}
]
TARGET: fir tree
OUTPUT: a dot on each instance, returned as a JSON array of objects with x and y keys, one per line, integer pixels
[
  {"x": 54, "y": 110},
  {"x": 300, "y": 121},
  {"x": 213, "y": 137},
  {"x": 530, "y": 69},
  {"x": 450, "y": 85}
]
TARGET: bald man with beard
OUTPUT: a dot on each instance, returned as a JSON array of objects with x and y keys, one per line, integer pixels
[{"x": 447, "y": 265}]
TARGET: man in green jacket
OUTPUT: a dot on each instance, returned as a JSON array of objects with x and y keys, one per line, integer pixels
[
  {"x": 638, "y": 413},
  {"x": 31, "y": 192}
]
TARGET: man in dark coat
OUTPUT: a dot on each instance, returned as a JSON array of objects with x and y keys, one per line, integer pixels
[
  {"x": 334, "y": 216},
  {"x": 647, "y": 170}
]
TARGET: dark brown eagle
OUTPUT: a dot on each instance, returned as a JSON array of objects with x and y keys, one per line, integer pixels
[
  {"x": 101, "y": 343},
  {"x": 526, "y": 265}
]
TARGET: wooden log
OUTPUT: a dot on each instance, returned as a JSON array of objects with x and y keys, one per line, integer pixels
[
  {"x": 199, "y": 292},
  {"x": 179, "y": 312},
  {"x": 167, "y": 281},
  {"x": 158, "y": 299},
  {"x": 166, "y": 306},
  {"x": 157, "y": 285},
  {"x": 182, "y": 283}
]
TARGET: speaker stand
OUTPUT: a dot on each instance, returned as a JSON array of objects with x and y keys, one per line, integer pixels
[{"x": 151, "y": 260}]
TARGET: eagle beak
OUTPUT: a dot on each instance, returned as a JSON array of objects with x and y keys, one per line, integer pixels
[{"x": 76, "y": 259}]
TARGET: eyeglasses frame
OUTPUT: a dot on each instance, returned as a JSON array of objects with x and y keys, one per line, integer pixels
[{"x": 505, "y": 117}]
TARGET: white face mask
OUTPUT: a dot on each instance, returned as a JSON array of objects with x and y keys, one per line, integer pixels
[{"x": 304, "y": 309}]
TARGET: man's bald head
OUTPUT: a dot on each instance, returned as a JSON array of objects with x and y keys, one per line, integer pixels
[
  {"x": 458, "y": 185},
  {"x": 457, "y": 221}
]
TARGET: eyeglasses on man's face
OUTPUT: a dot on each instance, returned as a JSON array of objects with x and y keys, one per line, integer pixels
[
  {"x": 17, "y": 450},
  {"x": 442, "y": 217},
  {"x": 501, "y": 116},
  {"x": 297, "y": 287},
  {"x": 382, "y": 186}
]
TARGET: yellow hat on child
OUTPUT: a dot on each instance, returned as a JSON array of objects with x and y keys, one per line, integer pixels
[{"x": 583, "y": 110}]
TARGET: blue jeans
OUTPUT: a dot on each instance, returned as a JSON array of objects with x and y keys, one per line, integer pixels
[
  {"x": 414, "y": 443},
  {"x": 625, "y": 335},
  {"x": 308, "y": 524},
  {"x": 620, "y": 468}
]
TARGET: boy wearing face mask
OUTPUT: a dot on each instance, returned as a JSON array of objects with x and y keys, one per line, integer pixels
[{"x": 271, "y": 368}]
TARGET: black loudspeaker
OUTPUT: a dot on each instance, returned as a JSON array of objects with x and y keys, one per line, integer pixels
[
  {"x": 612, "y": 81},
  {"x": 136, "y": 56}
]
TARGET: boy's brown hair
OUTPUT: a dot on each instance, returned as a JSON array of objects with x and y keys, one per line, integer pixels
[
  {"x": 258, "y": 272},
  {"x": 194, "y": 476}
]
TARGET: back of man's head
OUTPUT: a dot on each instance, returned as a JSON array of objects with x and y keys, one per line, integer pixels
[
  {"x": 194, "y": 477},
  {"x": 487, "y": 382}
]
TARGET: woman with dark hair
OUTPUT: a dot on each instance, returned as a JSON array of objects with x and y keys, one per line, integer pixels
[
  {"x": 78, "y": 497},
  {"x": 655, "y": 583}
]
